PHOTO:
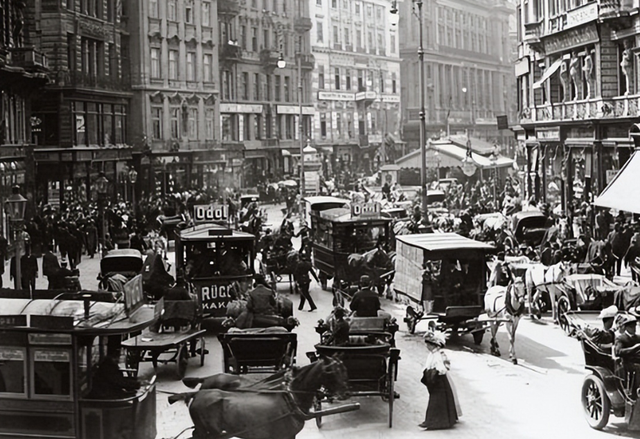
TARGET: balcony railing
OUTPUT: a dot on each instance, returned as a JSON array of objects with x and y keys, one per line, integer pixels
[
  {"x": 302, "y": 25},
  {"x": 307, "y": 61},
  {"x": 81, "y": 79},
  {"x": 231, "y": 52},
  {"x": 28, "y": 57},
  {"x": 584, "y": 109},
  {"x": 229, "y": 8},
  {"x": 610, "y": 9}
]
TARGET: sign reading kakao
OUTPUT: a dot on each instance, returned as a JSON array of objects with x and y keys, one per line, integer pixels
[
  {"x": 335, "y": 96},
  {"x": 210, "y": 212},
  {"x": 365, "y": 210}
]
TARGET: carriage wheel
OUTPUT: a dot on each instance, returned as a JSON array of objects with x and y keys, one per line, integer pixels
[
  {"x": 202, "y": 351},
  {"x": 390, "y": 388},
  {"x": 564, "y": 306},
  {"x": 182, "y": 360},
  {"x": 317, "y": 406},
  {"x": 595, "y": 402}
]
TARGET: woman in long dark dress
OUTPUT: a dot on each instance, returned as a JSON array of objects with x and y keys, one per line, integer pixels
[{"x": 442, "y": 411}]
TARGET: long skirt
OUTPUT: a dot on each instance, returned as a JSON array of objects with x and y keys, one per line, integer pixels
[{"x": 441, "y": 411}]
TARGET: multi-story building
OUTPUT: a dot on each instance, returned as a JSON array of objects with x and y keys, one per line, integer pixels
[
  {"x": 357, "y": 78},
  {"x": 22, "y": 75},
  {"x": 578, "y": 95},
  {"x": 468, "y": 70},
  {"x": 175, "y": 104},
  {"x": 260, "y": 101},
  {"x": 79, "y": 122}
]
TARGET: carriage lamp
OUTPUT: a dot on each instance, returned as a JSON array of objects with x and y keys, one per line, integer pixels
[{"x": 15, "y": 208}]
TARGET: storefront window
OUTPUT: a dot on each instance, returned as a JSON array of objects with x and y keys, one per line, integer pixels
[
  {"x": 12, "y": 370},
  {"x": 51, "y": 372}
]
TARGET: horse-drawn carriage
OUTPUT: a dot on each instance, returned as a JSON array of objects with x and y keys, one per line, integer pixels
[
  {"x": 118, "y": 267},
  {"x": 217, "y": 264},
  {"x": 174, "y": 338},
  {"x": 371, "y": 360},
  {"x": 445, "y": 276},
  {"x": 258, "y": 351},
  {"x": 51, "y": 352},
  {"x": 346, "y": 246}
]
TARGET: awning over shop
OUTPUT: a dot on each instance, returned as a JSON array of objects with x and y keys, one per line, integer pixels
[
  {"x": 622, "y": 192},
  {"x": 547, "y": 73},
  {"x": 482, "y": 161}
]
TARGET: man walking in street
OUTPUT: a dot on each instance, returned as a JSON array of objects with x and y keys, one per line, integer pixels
[{"x": 301, "y": 275}]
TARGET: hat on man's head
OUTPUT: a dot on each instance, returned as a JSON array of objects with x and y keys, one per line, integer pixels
[
  {"x": 624, "y": 319},
  {"x": 365, "y": 280},
  {"x": 609, "y": 312}
]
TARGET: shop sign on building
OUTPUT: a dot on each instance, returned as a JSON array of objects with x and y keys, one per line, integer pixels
[
  {"x": 611, "y": 174},
  {"x": 334, "y": 96},
  {"x": 549, "y": 134},
  {"x": 571, "y": 39},
  {"x": 240, "y": 108},
  {"x": 294, "y": 109},
  {"x": 585, "y": 14}
]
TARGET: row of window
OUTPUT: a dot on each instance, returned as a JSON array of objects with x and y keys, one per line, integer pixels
[
  {"x": 358, "y": 43},
  {"x": 364, "y": 80},
  {"x": 358, "y": 8},
  {"x": 241, "y": 127},
  {"x": 258, "y": 87},
  {"x": 96, "y": 57},
  {"x": 187, "y": 14},
  {"x": 534, "y": 10},
  {"x": 102, "y": 9},
  {"x": 272, "y": 5},
  {"x": 99, "y": 124},
  {"x": 189, "y": 70},
  {"x": 48, "y": 369},
  {"x": 182, "y": 123}
]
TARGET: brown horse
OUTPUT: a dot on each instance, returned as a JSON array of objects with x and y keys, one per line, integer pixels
[{"x": 276, "y": 409}]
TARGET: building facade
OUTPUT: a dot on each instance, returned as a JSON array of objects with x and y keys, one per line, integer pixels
[
  {"x": 175, "y": 103},
  {"x": 356, "y": 83},
  {"x": 265, "y": 66},
  {"x": 578, "y": 95},
  {"x": 23, "y": 74},
  {"x": 79, "y": 122},
  {"x": 468, "y": 70}
]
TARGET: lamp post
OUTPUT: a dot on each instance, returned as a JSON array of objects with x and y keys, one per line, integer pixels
[
  {"x": 15, "y": 206},
  {"x": 423, "y": 134},
  {"x": 133, "y": 178},
  {"x": 281, "y": 65},
  {"x": 102, "y": 184},
  {"x": 493, "y": 158},
  {"x": 469, "y": 165}
]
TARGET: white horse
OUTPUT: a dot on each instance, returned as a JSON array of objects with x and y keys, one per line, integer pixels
[
  {"x": 539, "y": 278},
  {"x": 505, "y": 304}
]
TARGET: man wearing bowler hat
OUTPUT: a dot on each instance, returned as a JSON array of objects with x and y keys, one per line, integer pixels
[{"x": 365, "y": 303}]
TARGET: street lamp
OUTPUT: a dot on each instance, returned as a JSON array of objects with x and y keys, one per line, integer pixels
[
  {"x": 133, "y": 177},
  {"x": 15, "y": 207},
  {"x": 423, "y": 134},
  {"x": 469, "y": 165},
  {"x": 102, "y": 185}
]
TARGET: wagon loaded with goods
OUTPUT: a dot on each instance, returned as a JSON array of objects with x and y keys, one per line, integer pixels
[{"x": 444, "y": 275}]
